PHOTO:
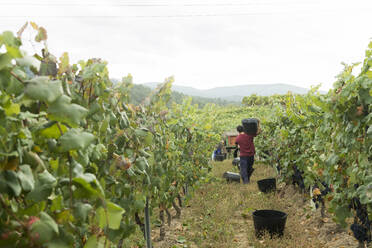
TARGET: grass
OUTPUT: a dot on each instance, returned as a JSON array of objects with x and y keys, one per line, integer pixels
[{"x": 219, "y": 215}]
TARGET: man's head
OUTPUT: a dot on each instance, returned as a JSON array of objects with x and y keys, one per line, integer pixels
[{"x": 240, "y": 129}]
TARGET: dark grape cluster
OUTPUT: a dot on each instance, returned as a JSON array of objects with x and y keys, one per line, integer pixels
[
  {"x": 319, "y": 198},
  {"x": 361, "y": 227},
  {"x": 236, "y": 152},
  {"x": 360, "y": 232},
  {"x": 297, "y": 178},
  {"x": 265, "y": 154}
]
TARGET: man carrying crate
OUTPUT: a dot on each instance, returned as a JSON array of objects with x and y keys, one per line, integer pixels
[{"x": 247, "y": 150}]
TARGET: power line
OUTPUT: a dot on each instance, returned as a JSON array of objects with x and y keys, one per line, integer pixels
[
  {"x": 163, "y": 16},
  {"x": 180, "y": 15},
  {"x": 148, "y": 4},
  {"x": 143, "y": 16}
]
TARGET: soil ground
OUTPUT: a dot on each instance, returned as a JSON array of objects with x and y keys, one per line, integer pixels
[{"x": 219, "y": 215}]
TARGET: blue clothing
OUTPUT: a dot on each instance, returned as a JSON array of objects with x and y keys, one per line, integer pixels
[
  {"x": 246, "y": 168},
  {"x": 216, "y": 152}
]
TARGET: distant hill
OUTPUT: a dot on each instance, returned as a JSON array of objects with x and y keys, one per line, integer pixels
[
  {"x": 139, "y": 92},
  {"x": 236, "y": 93}
]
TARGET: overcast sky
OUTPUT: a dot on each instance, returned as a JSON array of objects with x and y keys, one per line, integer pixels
[{"x": 205, "y": 43}]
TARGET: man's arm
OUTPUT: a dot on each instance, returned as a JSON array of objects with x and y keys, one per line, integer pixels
[{"x": 237, "y": 140}]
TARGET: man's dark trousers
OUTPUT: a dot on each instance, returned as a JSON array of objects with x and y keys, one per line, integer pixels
[{"x": 246, "y": 168}]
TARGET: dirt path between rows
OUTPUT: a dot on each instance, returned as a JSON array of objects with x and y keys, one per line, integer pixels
[{"x": 219, "y": 214}]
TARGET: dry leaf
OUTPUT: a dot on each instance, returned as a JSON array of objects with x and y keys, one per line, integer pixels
[
  {"x": 316, "y": 192},
  {"x": 325, "y": 220}
]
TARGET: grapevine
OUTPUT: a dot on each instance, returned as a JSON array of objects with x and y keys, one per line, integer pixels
[{"x": 78, "y": 162}]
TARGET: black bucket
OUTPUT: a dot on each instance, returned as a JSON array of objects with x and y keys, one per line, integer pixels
[
  {"x": 272, "y": 221},
  {"x": 267, "y": 185},
  {"x": 219, "y": 157},
  {"x": 231, "y": 176},
  {"x": 236, "y": 162}
]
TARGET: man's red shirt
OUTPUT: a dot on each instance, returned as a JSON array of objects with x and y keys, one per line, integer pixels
[{"x": 245, "y": 142}]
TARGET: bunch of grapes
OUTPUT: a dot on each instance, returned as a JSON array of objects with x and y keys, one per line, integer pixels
[{"x": 361, "y": 227}]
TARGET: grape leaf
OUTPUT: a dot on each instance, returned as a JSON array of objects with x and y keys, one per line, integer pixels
[
  {"x": 43, "y": 89},
  {"x": 75, "y": 139},
  {"x": 64, "y": 111}
]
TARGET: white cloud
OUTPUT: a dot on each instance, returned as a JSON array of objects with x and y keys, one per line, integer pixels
[{"x": 283, "y": 41}]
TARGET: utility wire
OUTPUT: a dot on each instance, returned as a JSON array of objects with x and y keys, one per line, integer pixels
[
  {"x": 139, "y": 5},
  {"x": 179, "y": 15},
  {"x": 141, "y": 16},
  {"x": 146, "y": 4},
  {"x": 149, "y": 16}
]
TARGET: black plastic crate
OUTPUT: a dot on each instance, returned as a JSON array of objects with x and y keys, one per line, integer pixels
[
  {"x": 250, "y": 125},
  {"x": 219, "y": 157}
]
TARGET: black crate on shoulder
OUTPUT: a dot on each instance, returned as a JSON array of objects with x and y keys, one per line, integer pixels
[{"x": 250, "y": 125}]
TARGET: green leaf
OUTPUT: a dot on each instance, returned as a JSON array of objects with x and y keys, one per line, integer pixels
[
  {"x": 33, "y": 209},
  {"x": 181, "y": 239},
  {"x": 33, "y": 160},
  {"x": 369, "y": 131},
  {"x": 123, "y": 120},
  {"x": 45, "y": 228},
  {"x": 141, "y": 132},
  {"x": 369, "y": 74},
  {"x": 12, "y": 182},
  {"x": 48, "y": 68},
  {"x": 332, "y": 160},
  {"x": 10, "y": 84},
  {"x": 43, "y": 89},
  {"x": 364, "y": 95},
  {"x": 114, "y": 215},
  {"x": 82, "y": 210},
  {"x": 365, "y": 191},
  {"x": 95, "y": 242},
  {"x": 64, "y": 111},
  {"x": 53, "y": 131},
  {"x": 13, "y": 51},
  {"x": 77, "y": 169},
  {"x": 57, "y": 244},
  {"x": 26, "y": 177},
  {"x": 9, "y": 39},
  {"x": 90, "y": 183},
  {"x": 43, "y": 188},
  {"x": 342, "y": 212},
  {"x": 148, "y": 139},
  {"x": 57, "y": 203},
  {"x": 75, "y": 139},
  {"x": 12, "y": 108},
  {"x": 104, "y": 126},
  {"x": 91, "y": 71},
  {"x": 5, "y": 61},
  {"x": 101, "y": 217},
  {"x": 142, "y": 163},
  {"x": 94, "y": 108},
  {"x": 9, "y": 154},
  {"x": 47, "y": 178}
]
